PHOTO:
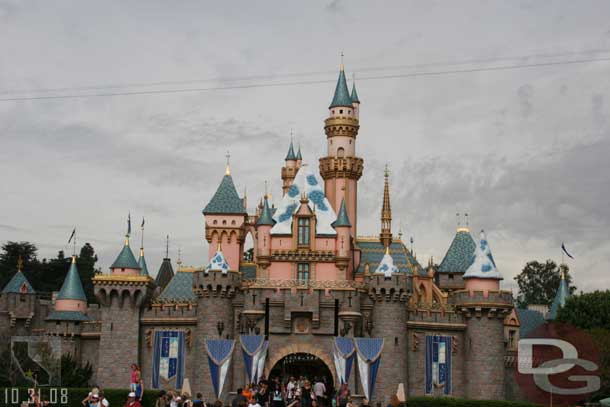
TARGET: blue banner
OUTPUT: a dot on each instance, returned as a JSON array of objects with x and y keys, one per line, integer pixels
[
  {"x": 344, "y": 353},
  {"x": 369, "y": 358},
  {"x": 219, "y": 358},
  {"x": 168, "y": 357},
  {"x": 438, "y": 363},
  {"x": 254, "y": 351}
]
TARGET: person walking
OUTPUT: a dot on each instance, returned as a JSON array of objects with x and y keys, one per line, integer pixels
[
  {"x": 343, "y": 395},
  {"x": 319, "y": 390}
]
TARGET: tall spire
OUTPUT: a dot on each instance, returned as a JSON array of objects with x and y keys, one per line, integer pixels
[
  {"x": 228, "y": 167},
  {"x": 563, "y": 292},
  {"x": 72, "y": 288},
  {"x": 299, "y": 156},
  {"x": 341, "y": 96},
  {"x": 142, "y": 260},
  {"x": 291, "y": 156},
  {"x": 386, "y": 212},
  {"x": 354, "y": 95}
]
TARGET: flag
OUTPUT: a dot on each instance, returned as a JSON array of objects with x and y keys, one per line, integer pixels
[
  {"x": 142, "y": 226},
  {"x": 128, "y": 224},
  {"x": 72, "y": 235},
  {"x": 563, "y": 247}
]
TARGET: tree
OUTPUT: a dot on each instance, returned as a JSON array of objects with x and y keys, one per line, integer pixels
[
  {"x": 86, "y": 269},
  {"x": 11, "y": 252},
  {"x": 538, "y": 283},
  {"x": 74, "y": 374}
]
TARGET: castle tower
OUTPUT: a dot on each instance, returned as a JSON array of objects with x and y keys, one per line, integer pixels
[
  {"x": 215, "y": 287},
  {"x": 166, "y": 271},
  {"x": 18, "y": 300},
  {"x": 289, "y": 171},
  {"x": 71, "y": 297},
  {"x": 458, "y": 258},
  {"x": 263, "y": 227},
  {"x": 484, "y": 307},
  {"x": 341, "y": 168},
  {"x": 388, "y": 290},
  {"x": 563, "y": 292},
  {"x": 225, "y": 221},
  {"x": 121, "y": 295},
  {"x": 385, "y": 236}
]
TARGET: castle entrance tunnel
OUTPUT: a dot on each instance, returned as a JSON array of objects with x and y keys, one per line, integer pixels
[{"x": 302, "y": 365}]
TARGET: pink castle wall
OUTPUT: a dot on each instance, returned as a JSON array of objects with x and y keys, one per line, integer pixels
[
  {"x": 70, "y": 305},
  {"x": 482, "y": 284},
  {"x": 125, "y": 272}
]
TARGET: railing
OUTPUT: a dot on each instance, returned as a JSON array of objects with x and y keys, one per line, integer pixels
[{"x": 304, "y": 284}]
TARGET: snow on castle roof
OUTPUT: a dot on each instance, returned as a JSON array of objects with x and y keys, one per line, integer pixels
[
  {"x": 483, "y": 265},
  {"x": 309, "y": 182},
  {"x": 386, "y": 265}
]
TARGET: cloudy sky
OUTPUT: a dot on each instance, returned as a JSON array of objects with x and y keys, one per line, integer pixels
[{"x": 478, "y": 106}]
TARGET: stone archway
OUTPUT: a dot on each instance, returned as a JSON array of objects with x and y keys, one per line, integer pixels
[{"x": 284, "y": 351}]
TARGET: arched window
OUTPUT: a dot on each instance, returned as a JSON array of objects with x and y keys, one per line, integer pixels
[
  {"x": 340, "y": 152},
  {"x": 303, "y": 231},
  {"x": 224, "y": 222},
  {"x": 303, "y": 271},
  {"x": 215, "y": 222}
]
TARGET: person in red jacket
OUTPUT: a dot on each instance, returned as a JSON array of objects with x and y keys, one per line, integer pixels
[{"x": 131, "y": 400}]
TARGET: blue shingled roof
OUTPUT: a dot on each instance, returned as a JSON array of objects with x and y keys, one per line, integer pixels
[
  {"x": 460, "y": 254},
  {"x": 291, "y": 155},
  {"x": 266, "y": 217},
  {"x": 67, "y": 316},
  {"x": 179, "y": 288},
  {"x": 354, "y": 95},
  {"x": 341, "y": 97},
  {"x": 225, "y": 200},
  {"x": 165, "y": 274},
  {"x": 248, "y": 271},
  {"x": 125, "y": 259},
  {"x": 342, "y": 218},
  {"x": 72, "y": 288},
  {"x": 15, "y": 284},
  {"x": 373, "y": 252},
  {"x": 142, "y": 264},
  {"x": 529, "y": 320}
]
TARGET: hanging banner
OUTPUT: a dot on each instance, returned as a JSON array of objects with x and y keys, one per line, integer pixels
[
  {"x": 168, "y": 358},
  {"x": 261, "y": 361},
  {"x": 219, "y": 358},
  {"x": 438, "y": 363},
  {"x": 369, "y": 358},
  {"x": 344, "y": 353},
  {"x": 254, "y": 350}
]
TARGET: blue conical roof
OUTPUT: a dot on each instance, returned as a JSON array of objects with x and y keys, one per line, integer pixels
[
  {"x": 386, "y": 265},
  {"x": 14, "y": 285},
  {"x": 72, "y": 288},
  {"x": 218, "y": 262},
  {"x": 483, "y": 264},
  {"x": 125, "y": 259},
  {"x": 460, "y": 254},
  {"x": 142, "y": 264},
  {"x": 266, "y": 217},
  {"x": 165, "y": 274},
  {"x": 342, "y": 218},
  {"x": 291, "y": 155},
  {"x": 225, "y": 200},
  {"x": 560, "y": 298},
  {"x": 342, "y": 96},
  {"x": 354, "y": 95},
  {"x": 299, "y": 156}
]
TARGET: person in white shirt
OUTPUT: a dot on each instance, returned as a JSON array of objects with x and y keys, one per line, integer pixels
[
  {"x": 253, "y": 402},
  {"x": 319, "y": 390},
  {"x": 290, "y": 390}
]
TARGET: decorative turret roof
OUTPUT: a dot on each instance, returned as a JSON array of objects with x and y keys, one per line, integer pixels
[
  {"x": 19, "y": 283},
  {"x": 386, "y": 265},
  {"x": 225, "y": 200},
  {"x": 72, "y": 288},
  {"x": 561, "y": 296},
  {"x": 266, "y": 217},
  {"x": 142, "y": 263},
  {"x": 483, "y": 264},
  {"x": 179, "y": 288},
  {"x": 299, "y": 156},
  {"x": 342, "y": 96},
  {"x": 125, "y": 259},
  {"x": 165, "y": 273},
  {"x": 67, "y": 316},
  {"x": 218, "y": 262},
  {"x": 291, "y": 156},
  {"x": 386, "y": 212},
  {"x": 460, "y": 254},
  {"x": 342, "y": 218},
  {"x": 372, "y": 252},
  {"x": 354, "y": 95}
]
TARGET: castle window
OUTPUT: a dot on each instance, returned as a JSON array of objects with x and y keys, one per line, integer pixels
[
  {"x": 224, "y": 222},
  {"x": 450, "y": 276},
  {"x": 340, "y": 152},
  {"x": 333, "y": 111},
  {"x": 232, "y": 222},
  {"x": 340, "y": 111},
  {"x": 303, "y": 231},
  {"x": 512, "y": 334},
  {"x": 303, "y": 271},
  {"x": 215, "y": 222}
]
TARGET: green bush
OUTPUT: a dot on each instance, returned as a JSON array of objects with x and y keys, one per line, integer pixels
[
  {"x": 454, "y": 402},
  {"x": 116, "y": 397}
]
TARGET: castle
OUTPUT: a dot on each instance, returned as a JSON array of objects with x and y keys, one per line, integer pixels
[{"x": 446, "y": 330}]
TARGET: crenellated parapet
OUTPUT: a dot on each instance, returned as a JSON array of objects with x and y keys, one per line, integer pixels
[
  {"x": 124, "y": 290},
  {"x": 215, "y": 283},
  {"x": 388, "y": 289},
  {"x": 341, "y": 167},
  {"x": 478, "y": 303},
  {"x": 341, "y": 126}
]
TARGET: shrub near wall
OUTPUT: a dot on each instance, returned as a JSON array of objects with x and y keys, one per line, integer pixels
[
  {"x": 116, "y": 397},
  {"x": 453, "y": 402}
]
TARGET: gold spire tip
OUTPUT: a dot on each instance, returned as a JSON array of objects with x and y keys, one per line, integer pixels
[
  {"x": 219, "y": 247},
  {"x": 228, "y": 168},
  {"x": 126, "y": 240},
  {"x": 387, "y": 249},
  {"x": 74, "y": 259},
  {"x": 19, "y": 263}
]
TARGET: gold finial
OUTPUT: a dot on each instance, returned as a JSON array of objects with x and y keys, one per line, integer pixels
[
  {"x": 74, "y": 259},
  {"x": 228, "y": 169},
  {"x": 562, "y": 273},
  {"x": 141, "y": 252},
  {"x": 219, "y": 248},
  {"x": 19, "y": 263},
  {"x": 126, "y": 240},
  {"x": 387, "y": 250},
  {"x": 386, "y": 212},
  {"x": 265, "y": 189},
  {"x": 342, "y": 67}
]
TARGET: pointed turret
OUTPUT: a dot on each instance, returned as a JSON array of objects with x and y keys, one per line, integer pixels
[
  {"x": 563, "y": 292},
  {"x": 218, "y": 262},
  {"x": 165, "y": 273},
  {"x": 125, "y": 259},
  {"x": 341, "y": 96},
  {"x": 386, "y": 212},
  {"x": 291, "y": 156},
  {"x": 71, "y": 302},
  {"x": 483, "y": 265},
  {"x": 19, "y": 284},
  {"x": 290, "y": 169},
  {"x": 266, "y": 217},
  {"x": 225, "y": 200},
  {"x": 142, "y": 263},
  {"x": 342, "y": 218},
  {"x": 354, "y": 95},
  {"x": 299, "y": 156}
]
